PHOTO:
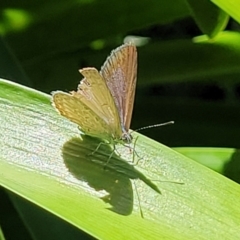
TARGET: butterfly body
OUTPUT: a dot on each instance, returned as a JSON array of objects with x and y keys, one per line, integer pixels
[{"x": 102, "y": 105}]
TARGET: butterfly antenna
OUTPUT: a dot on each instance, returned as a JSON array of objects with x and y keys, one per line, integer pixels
[{"x": 153, "y": 126}]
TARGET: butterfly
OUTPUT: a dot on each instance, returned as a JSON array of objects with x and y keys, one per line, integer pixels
[{"x": 103, "y": 103}]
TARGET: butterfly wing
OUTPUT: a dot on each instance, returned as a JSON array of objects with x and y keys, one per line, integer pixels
[
  {"x": 75, "y": 110},
  {"x": 120, "y": 73},
  {"x": 94, "y": 93}
]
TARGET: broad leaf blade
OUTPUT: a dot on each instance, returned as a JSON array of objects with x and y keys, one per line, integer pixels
[{"x": 45, "y": 160}]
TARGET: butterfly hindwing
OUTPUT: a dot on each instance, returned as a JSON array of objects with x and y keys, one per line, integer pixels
[{"x": 76, "y": 111}]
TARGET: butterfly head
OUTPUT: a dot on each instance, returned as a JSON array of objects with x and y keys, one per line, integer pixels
[{"x": 126, "y": 137}]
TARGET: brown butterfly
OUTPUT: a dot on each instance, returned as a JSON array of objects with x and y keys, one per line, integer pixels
[{"x": 103, "y": 104}]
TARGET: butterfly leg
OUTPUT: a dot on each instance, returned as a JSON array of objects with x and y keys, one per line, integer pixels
[
  {"x": 134, "y": 153},
  {"x": 110, "y": 156},
  {"x": 97, "y": 148}
]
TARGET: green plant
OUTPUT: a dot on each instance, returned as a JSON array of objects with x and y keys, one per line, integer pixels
[{"x": 44, "y": 161}]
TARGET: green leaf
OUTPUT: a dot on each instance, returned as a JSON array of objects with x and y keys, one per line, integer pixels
[
  {"x": 222, "y": 160},
  {"x": 204, "y": 60},
  {"x": 1, "y": 234},
  {"x": 209, "y": 18},
  {"x": 231, "y": 7},
  {"x": 214, "y": 158},
  {"x": 44, "y": 159}
]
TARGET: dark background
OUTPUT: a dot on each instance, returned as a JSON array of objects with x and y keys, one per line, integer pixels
[{"x": 191, "y": 83}]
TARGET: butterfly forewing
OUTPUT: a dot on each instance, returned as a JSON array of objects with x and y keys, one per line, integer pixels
[
  {"x": 94, "y": 93},
  {"x": 120, "y": 73},
  {"x": 76, "y": 111}
]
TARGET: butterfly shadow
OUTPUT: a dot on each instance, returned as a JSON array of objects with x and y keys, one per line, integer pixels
[{"x": 113, "y": 176}]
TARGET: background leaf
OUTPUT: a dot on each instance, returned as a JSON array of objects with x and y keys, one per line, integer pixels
[
  {"x": 210, "y": 19},
  {"x": 232, "y": 8}
]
